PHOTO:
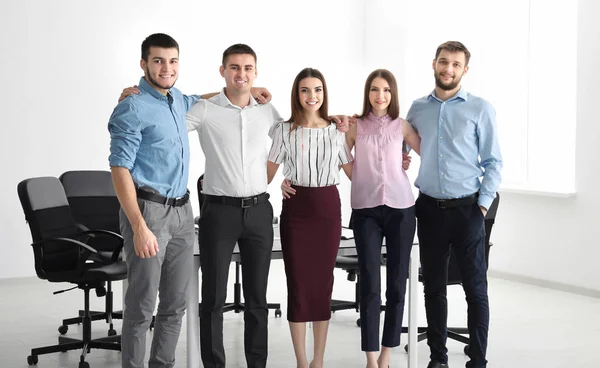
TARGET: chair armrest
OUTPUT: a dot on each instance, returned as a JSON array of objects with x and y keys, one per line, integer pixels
[
  {"x": 83, "y": 257},
  {"x": 115, "y": 255},
  {"x": 40, "y": 243}
]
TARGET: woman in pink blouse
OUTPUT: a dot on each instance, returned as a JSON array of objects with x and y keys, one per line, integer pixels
[
  {"x": 311, "y": 149},
  {"x": 382, "y": 206}
]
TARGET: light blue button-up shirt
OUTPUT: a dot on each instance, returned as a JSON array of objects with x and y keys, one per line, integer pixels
[
  {"x": 148, "y": 136},
  {"x": 460, "y": 154}
]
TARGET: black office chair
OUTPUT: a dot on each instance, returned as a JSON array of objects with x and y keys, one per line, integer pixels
[
  {"x": 236, "y": 306},
  {"x": 455, "y": 278},
  {"x": 62, "y": 254},
  {"x": 94, "y": 205},
  {"x": 350, "y": 265}
]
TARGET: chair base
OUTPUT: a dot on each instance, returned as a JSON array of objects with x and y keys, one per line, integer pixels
[
  {"x": 454, "y": 333},
  {"x": 108, "y": 315},
  {"x": 66, "y": 343},
  {"x": 86, "y": 343}
]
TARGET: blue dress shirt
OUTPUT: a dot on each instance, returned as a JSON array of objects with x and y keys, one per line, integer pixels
[
  {"x": 459, "y": 145},
  {"x": 148, "y": 136}
]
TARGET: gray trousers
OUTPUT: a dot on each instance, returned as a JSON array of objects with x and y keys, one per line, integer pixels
[{"x": 168, "y": 274}]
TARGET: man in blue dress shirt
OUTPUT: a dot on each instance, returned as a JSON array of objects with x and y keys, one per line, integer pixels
[{"x": 458, "y": 180}]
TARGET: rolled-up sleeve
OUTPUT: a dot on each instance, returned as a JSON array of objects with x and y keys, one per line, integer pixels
[
  {"x": 124, "y": 127},
  {"x": 190, "y": 101}
]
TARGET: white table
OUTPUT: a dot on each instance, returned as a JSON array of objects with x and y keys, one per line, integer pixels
[{"x": 346, "y": 248}]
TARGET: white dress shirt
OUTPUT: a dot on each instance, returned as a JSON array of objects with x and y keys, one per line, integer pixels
[{"x": 235, "y": 143}]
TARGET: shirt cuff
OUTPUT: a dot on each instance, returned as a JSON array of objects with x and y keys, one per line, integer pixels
[
  {"x": 485, "y": 201},
  {"x": 117, "y": 161}
]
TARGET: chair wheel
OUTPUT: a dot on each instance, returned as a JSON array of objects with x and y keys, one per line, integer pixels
[
  {"x": 112, "y": 332},
  {"x": 358, "y": 322},
  {"x": 466, "y": 350},
  {"x": 84, "y": 365},
  {"x": 277, "y": 313},
  {"x": 63, "y": 329},
  {"x": 406, "y": 348},
  {"x": 32, "y": 360}
]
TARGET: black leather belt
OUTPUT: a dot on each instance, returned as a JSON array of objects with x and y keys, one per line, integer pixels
[
  {"x": 154, "y": 197},
  {"x": 451, "y": 203},
  {"x": 244, "y": 202}
]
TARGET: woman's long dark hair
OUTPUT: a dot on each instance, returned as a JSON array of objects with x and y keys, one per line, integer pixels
[{"x": 297, "y": 109}]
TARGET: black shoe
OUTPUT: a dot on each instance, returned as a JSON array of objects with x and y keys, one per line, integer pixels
[{"x": 433, "y": 364}]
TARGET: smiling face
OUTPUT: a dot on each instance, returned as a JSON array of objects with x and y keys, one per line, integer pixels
[
  {"x": 380, "y": 96},
  {"x": 448, "y": 69},
  {"x": 239, "y": 73},
  {"x": 310, "y": 94},
  {"x": 162, "y": 68}
]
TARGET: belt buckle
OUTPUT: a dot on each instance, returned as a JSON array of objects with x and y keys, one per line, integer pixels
[
  {"x": 441, "y": 203},
  {"x": 254, "y": 200}
]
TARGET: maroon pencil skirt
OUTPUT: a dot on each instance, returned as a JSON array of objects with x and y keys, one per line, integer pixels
[{"x": 311, "y": 226}]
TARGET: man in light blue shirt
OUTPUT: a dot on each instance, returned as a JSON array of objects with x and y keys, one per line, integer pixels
[{"x": 458, "y": 180}]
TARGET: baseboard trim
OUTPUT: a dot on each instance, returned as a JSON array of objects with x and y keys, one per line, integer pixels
[{"x": 545, "y": 283}]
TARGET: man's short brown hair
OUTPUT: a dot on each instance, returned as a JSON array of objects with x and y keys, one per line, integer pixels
[{"x": 454, "y": 46}]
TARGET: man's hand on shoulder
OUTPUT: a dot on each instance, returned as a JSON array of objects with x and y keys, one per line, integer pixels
[
  {"x": 261, "y": 95},
  {"x": 134, "y": 90}
]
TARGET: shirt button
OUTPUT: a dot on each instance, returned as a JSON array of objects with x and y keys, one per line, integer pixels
[
  {"x": 441, "y": 137},
  {"x": 441, "y": 155},
  {"x": 442, "y": 174}
]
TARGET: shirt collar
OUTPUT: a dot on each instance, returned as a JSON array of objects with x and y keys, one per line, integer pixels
[
  {"x": 224, "y": 101},
  {"x": 462, "y": 94},
  {"x": 385, "y": 118},
  {"x": 146, "y": 87}
]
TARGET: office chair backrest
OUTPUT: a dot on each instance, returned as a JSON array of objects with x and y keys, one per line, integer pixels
[
  {"x": 454, "y": 276},
  {"x": 92, "y": 199},
  {"x": 48, "y": 214}
]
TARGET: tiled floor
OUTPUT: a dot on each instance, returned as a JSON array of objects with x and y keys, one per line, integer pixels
[{"x": 530, "y": 327}]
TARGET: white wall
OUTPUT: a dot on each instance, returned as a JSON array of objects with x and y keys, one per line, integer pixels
[
  {"x": 65, "y": 62},
  {"x": 557, "y": 239}
]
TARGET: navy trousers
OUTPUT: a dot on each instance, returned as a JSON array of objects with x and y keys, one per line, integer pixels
[
  {"x": 370, "y": 226},
  {"x": 460, "y": 229}
]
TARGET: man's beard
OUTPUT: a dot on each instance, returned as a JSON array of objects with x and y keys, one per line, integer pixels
[
  {"x": 152, "y": 81},
  {"x": 446, "y": 87}
]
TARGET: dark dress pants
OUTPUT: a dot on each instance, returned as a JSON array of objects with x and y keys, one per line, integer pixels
[
  {"x": 398, "y": 227},
  {"x": 460, "y": 229},
  {"x": 221, "y": 226}
]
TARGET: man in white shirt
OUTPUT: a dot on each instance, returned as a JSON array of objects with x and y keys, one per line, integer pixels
[{"x": 233, "y": 130}]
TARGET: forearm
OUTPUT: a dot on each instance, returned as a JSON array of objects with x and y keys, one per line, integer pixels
[
  {"x": 348, "y": 169},
  {"x": 271, "y": 171},
  {"x": 206, "y": 96},
  {"x": 127, "y": 196}
]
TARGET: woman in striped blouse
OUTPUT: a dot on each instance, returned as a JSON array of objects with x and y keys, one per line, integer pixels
[{"x": 311, "y": 149}]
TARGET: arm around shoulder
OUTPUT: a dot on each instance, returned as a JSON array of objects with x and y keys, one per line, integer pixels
[
  {"x": 411, "y": 137},
  {"x": 196, "y": 115}
]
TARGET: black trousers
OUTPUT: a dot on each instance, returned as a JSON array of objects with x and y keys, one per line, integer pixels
[
  {"x": 462, "y": 230},
  {"x": 398, "y": 228},
  {"x": 221, "y": 226}
]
